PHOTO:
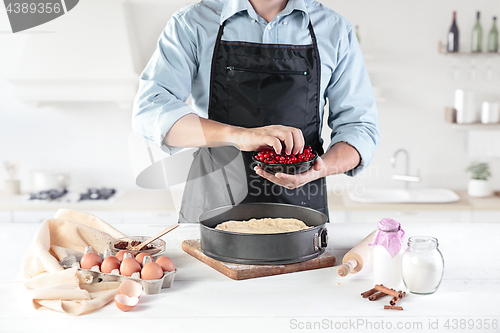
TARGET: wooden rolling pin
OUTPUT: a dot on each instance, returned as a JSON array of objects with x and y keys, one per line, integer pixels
[{"x": 357, "y": 257}]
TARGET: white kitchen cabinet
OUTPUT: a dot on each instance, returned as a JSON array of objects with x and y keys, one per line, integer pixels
[
  {"x": 32, "y": 216},
  {"x": 481, "y": 216},
  {"x": 337, "y": 216},
  {"x": 159, "y": 217},
  {"x": 404, "y": 216},
  {"x": 5, "y": 216}
]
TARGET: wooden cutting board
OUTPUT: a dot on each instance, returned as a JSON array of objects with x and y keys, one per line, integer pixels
[{"x": 242, "y": 272}]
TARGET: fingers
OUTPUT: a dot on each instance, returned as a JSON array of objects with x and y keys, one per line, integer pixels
[
  {"x": 274, "y": 136},
  {"x": 292, "y": 181},
  {"x": 289, "y": 142},
  {"x": 298, "y": 140},
  {"x": 275, "y": 143},
  {"x": 292, "y": 138},
  {"x": 288, "y": 181},
  {"x": 279, "y": 178}
]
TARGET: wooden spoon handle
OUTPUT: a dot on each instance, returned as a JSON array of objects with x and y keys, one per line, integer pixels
[{"x": 155, "y": 237}]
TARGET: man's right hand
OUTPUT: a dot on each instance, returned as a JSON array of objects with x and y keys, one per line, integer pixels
[
  {"x": 194, "y": 131},
  {"x": 254, "y": 139}
]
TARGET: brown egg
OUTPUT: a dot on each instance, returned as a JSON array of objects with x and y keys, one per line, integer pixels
[
  {"x": 140, "y": 257},
  {"x": 90, "y": 260},
  {"x": 166, "y": 264},
  {"x": 152, "y": 271},
  {"x": 121, "y": 253},
  {"x": 109, "y": 264},
  {"x": 130, "y": 288},
  {"x": 125, "y": 303},
  {"x": 129, "y": 266},
  {"x": 128, "y": 295}
]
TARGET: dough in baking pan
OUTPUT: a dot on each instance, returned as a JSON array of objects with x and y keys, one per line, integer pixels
[{"x": 263, "y": 226}]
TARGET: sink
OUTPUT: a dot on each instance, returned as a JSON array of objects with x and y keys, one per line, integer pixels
[{"x": 392, "y": 195}]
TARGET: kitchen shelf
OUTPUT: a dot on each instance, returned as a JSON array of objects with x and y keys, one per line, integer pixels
[
  {"x": 475, "y": 127},
  {"x": 472, "y": 54},
  {"x": 442, "y": 50}
]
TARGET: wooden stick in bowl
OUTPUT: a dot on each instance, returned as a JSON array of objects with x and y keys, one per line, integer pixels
[{"x": 155, "y": 237}]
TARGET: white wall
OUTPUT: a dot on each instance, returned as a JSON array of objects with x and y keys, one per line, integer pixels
[
  {"x": 89, "y": 139},
  {"x": 418, "y": 82}
]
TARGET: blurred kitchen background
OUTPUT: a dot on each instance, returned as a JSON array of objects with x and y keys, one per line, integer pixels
[{"x": 67, "y": 86}]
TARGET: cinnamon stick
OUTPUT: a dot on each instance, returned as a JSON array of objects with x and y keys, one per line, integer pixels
[
  {"x": 377, "y": 296},
  {"x": 391, "y": 307},
  {"x": 368, "y": 293},
  {"x": 395, "y": 299},
  {"x": 388, "y": 291}
]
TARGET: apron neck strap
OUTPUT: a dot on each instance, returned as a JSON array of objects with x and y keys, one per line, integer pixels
[{"x": 310, "y": 27}]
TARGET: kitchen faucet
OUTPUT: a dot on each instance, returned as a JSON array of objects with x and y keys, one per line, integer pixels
[{"x": 406, "y": 177}]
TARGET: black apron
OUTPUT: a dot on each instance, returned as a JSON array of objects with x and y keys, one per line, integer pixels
[{"x": 254, "y": 85}]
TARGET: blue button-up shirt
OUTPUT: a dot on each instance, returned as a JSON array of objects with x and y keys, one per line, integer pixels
[{"x": 181, "y": 66}]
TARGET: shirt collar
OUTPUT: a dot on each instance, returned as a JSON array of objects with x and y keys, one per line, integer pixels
[{"x": 232, "y": 7}]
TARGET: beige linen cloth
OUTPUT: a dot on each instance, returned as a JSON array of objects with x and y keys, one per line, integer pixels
[{"x": 68, "y": 290}]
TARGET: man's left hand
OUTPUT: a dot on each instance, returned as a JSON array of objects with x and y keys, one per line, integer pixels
[{"x": 318, "y": 170}]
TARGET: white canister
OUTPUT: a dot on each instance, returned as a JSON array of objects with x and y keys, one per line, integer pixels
[
  {"x": 466, "y": 106},
  {"x": 387, "y": 253},
  {"x": 490, "y": 113},
  {"x": 495, "y": 112},
  {"x": 12, "y": 187},
  {"x": 46, "y": 180}
]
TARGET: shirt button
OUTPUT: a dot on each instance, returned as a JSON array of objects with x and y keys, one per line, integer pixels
[
  {"x": 253, "y": 21},
  {"x": 285, "y": 22},
  {"x": 268, "y": 27}
]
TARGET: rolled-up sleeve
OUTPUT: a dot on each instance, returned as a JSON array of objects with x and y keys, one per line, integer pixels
[
  {"x": 165, "y": 84},
  {"x": 352, "y": 110}
]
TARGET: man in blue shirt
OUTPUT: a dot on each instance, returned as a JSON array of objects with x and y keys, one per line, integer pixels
[{"x": 259, "y": 73}]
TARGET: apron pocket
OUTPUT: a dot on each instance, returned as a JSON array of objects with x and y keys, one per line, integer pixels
[{"x": 267, "y": 97}]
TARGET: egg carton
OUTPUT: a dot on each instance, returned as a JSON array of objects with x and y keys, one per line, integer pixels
[{"x": 150, "y": 286}]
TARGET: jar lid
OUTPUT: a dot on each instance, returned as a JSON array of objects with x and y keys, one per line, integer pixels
[
  {"x": 388, "y": 225},
  {"x": 390, "y": 236}
]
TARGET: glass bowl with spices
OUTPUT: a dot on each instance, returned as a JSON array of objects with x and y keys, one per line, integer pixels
[{"x": 154, "y": 249}]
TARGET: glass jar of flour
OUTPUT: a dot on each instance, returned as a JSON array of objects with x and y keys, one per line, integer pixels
[{"x": 422, "y": 265}]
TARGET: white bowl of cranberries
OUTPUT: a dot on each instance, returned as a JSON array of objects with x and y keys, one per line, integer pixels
[{"x": 291, "y": 164}]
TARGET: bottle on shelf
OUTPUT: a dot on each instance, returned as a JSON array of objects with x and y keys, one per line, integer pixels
[
  {"x": 493, "y": 37},
  {"x": 477, "y": 36},
  {"x": 358, "y": 36},
  {"x": 453, "y": 42}
]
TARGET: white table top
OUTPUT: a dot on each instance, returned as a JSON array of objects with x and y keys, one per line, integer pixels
[{"x": 204, "y": 300}]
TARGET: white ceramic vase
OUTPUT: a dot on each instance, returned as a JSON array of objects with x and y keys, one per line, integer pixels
[
  {"x": 479, "y": 188},
  {"x": 12, "y": 187}
]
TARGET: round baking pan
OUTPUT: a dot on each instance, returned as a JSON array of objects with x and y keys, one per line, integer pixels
[{"x": 263, "y": 249}]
